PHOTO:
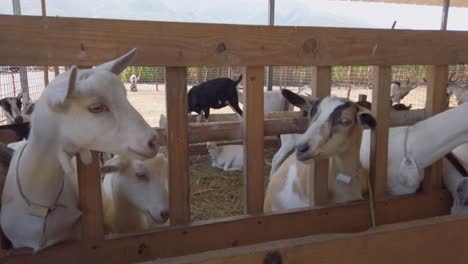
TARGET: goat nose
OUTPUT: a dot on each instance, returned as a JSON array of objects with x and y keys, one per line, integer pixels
[
  {"x": 18, "y": 120},
  {"x": 164, "y": 215},
  {"x": 153, "y": 143},
  {"x": 303, "y": 148}
]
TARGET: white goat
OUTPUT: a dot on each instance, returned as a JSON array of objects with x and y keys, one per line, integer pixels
[
  {"x": 273, "y": 101},
  {"x": 133, "y": 83},
  {"x": 228, "y": 157},
  {"x": 163, "y": 124},
  {"x": 425, "y": 145},
  {"x": 6, "y": 153},
  {"x": 335, "y": 131},
  {"x": 79, "y": 110},
  {"x": 135, "y": 193},
  {"x": 398, "y": 91},
  {"x": 458, "y": 89}
]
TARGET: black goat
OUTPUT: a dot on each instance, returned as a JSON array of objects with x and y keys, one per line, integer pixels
[{"x": 216, "y": 94}]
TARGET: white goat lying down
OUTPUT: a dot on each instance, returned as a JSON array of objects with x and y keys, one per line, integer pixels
[
  {"x": 135, "y": 193},
  {"x": 79, "y": 110},
  {"x": 228, "y": 157},
  {"x": 335, "y": 131}
]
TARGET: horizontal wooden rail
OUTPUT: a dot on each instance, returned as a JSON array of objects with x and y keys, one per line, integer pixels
[
  {"x": 239, "y": 231},
  {"x": 428, "y": 241},
  {"x": 232, "y": 130},
  {"x": 34, "y": 40},
  {"x": 275, "y": 124}
]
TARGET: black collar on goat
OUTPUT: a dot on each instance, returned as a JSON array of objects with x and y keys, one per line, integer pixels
[{"x": 216, "y": 94}]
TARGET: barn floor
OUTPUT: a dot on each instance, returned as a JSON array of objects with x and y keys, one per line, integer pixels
[{"x": 216, "y": 193}]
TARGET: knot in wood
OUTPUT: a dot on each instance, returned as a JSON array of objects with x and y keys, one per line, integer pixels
[
  {"x": 221, "y": 47},
  {"x": 310, "y": 45},
  {"x": 273, "y": 257}
]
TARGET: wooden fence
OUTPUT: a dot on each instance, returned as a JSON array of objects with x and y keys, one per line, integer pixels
[{"x": 87, "y": 42}]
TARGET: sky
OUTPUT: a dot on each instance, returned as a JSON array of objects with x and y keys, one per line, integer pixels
[{"x": 324, "y": 13}]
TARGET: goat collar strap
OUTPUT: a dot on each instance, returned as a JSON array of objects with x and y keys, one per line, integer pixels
[{"x": 36, "y": 209}]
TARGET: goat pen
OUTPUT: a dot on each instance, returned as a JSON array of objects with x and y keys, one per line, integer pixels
[{"x": 31, "y": 40}]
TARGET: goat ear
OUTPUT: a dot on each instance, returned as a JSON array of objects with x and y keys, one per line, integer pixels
[
  {"x": 20, "y": 95},
  {"x": 297, "y": 100},
  {"x": 118, "y": 65},
  {"x": 365, "y": 118},
  {"x": 61, "y": 95},
  {"x": 112, "y": 165}
]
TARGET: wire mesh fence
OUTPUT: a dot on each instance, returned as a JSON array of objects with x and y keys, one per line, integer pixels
[
  {"x": 11, "y": 84},
  {"x": 347, "y": 81}
]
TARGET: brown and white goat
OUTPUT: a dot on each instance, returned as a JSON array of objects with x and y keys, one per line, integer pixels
[{"x": 335, "y": 131}]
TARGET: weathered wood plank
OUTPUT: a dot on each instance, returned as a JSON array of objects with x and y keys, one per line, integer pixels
[
  {"x": 397, "y": 209},
  {"x": 321, "y": 87},
  {"x": 89, "y": 183},
  {"x": 232, "y": 130},
  {"x": 379, "y": 136},
  {"x": 435, "y": 103},
  {"x": 242, "y": 231},
  {"x": 429, "y": 241},
  {"x": 208, "y": 235},
  {"x": 177, "y": 138},
  {"x": 253, "y": 140},
  {"x": 31, "y": 40}
]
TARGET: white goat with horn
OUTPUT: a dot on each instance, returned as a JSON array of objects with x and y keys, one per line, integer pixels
[{"x": 80, "y": 110}]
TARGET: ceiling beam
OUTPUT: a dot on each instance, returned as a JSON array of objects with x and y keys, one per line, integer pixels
[{"x": 453, "y": 3}]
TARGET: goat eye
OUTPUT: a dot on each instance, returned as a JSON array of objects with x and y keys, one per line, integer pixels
[
  {"x": 345, "y": 121},
  {"x": 142, "y": 177},
  {"x": 97, "y": 108}
]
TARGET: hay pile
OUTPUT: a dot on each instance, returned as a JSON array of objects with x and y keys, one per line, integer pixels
[{"x": 216, "y": 193}]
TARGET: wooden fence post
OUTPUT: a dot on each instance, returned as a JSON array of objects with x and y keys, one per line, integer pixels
[
  {"x": 177, "y": 139},
  {"x": 253, "y": 125},
  {"x": 435, "y": 103},
  {"x": 379, "y": 136},
  {"x": 89, "y": 182},
  {"x": 318, "y": 181}
]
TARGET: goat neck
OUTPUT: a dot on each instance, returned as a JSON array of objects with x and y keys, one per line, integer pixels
[
  {"x": 434, "y": 137},
  {"x": 39, "y": 167},
  {"x": 125, "y": 216}
]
